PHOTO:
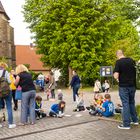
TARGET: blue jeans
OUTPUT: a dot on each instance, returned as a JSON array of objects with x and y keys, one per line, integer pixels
[
  {"x": 127, "y": 95},
  {"x": 75, "y": 91},
  {"x": 8, "y": 101},
  {"x": 28, "y": 106}
]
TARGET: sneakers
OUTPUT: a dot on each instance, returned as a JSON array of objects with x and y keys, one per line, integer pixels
[
  {"x": 12, "y": 126},
  {"x": 135, "y": 123},
  {"x": 123, "y": 127}
]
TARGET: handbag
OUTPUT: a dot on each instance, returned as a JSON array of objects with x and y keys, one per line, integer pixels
[{"x": 18, "y": 94}]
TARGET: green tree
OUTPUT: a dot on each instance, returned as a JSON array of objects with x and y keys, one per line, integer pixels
[{"x": 78, "y": 33}]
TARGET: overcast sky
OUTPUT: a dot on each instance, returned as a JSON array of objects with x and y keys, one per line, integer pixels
[{"x": 13, "y": 9}]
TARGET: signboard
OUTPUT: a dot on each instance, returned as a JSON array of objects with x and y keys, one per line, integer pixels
[{"x": 106, "y": 71}]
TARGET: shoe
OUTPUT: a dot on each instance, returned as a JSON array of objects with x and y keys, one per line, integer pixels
[
  {"x": 135, "y": 123},
  {"x": 15, "y": 108},
  {"x": 1, "y": 126},
  {"x": 12, "y": 125},
  {"x": 123, "y": 127},
  {"x": 88, "y": 108},
  {"x": 37, "y": 118},
  {"x": 32, "y": 123}
]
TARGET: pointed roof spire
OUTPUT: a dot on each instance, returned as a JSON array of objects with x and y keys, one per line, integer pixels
[{"x": 3, "y": 11}]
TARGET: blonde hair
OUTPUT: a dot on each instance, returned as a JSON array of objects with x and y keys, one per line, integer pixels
[
  {"x": 3, "y": 65},
  {"x": 59, "y": 91},
  {"x": 21, "y": 68}
]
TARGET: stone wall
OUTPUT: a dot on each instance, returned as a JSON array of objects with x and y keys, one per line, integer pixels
[{"x": 7, "y": 47}]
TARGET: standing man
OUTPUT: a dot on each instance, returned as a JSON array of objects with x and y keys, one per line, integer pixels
[{"x": 125, "y": 74}]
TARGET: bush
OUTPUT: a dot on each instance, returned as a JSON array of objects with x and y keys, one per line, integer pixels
[{"x": 138, "y": 111}]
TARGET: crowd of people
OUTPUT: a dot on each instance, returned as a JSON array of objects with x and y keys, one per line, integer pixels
[{"x": 31, "y": 104}]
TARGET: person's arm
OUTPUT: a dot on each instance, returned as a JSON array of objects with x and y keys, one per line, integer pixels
[
  {"x": 116, "y": 76},
  {"x": 116, "y": 71},
  {"x": 103, "y": 107},
  {"x": 17, "y": 80},
  {"x": 72, "y": 81},
  {"x": 7, "y": 77}
]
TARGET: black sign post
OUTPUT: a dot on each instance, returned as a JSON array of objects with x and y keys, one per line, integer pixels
[{"x": 106, "y": 71}]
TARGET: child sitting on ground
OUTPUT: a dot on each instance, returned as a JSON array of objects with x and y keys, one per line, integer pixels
[
  {"x": 97, "y": 103},
  {"x": 118, "y": 109},
  {"x": 57, "y": 110},
  {"x": 60, "y": 94},
  {"x": 80, "y": 103},
  {"x": 39, "y": 113},
  {"x": 107, "y": 108}
]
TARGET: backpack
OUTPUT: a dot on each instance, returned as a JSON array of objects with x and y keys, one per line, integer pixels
[{"x": 4, "y": 86}]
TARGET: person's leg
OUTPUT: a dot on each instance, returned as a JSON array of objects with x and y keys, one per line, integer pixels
[
  {"x": 43, "y": 114},
  {"x": 52, "y": 114},
  {"x": 8, "y": 100},
  {"x": 74, "y": 95},
  {"x": 37, "y": 114},
  {"x": 124, "y": 95},
  {"x": 2, "y": 103},
  {"x": 32, "y": 106},
  {"x": 24, "y": 107},
  {"x": 53, "y": 93},
  {"x": 76, "y": 89},
  {"x": 132, "y": 104},
  {"x": 93, "y": 112},
  {"x": 15, "y": 101}
]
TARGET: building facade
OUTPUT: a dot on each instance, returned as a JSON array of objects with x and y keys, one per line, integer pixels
[{"x": 7, "y": 47}]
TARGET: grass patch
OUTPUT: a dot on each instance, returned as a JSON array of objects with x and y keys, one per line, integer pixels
[
  {"x": 138, "y": 111},
  {"x": 119, "y": 117}
]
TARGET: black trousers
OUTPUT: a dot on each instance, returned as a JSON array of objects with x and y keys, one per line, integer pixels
[
  {"x": 15, "y": 101},
  {"x": 53, "y": 94},
  {"x": 40, "y": 114},
  {"x": 52, "y": 114}
]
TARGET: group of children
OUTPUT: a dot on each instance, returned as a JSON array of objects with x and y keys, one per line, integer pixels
[
  {"x": 102, "y": 106},
  {"x": 56, "y": 109},
  {"x": 99, "y": 105}
]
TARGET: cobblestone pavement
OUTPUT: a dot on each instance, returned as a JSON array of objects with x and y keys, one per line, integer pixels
[{"x": 78, "y": 126}]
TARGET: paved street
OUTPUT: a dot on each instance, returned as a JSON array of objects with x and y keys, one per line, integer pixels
[{"x": 74, "y": 126}]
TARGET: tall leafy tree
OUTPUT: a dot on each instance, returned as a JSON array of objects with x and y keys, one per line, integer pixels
[{"x": 78, "y": 33}]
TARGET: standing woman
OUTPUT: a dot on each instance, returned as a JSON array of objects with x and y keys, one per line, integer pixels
[
  {"x": 24, "y": 79},
  {"x": 75, "y": 84},
  {"x": 7, "y": 99}
]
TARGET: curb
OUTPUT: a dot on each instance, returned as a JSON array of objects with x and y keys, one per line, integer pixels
[{"x": 109, "y": 119}]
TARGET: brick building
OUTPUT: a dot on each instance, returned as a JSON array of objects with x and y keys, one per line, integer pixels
[{"x": 7, "y": 47}]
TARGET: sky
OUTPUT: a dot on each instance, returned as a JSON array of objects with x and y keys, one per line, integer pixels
[{"x": 13, "y": 9}]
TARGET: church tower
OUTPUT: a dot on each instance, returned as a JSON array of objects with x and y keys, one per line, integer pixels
[{"x": 7, "y": 47}]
